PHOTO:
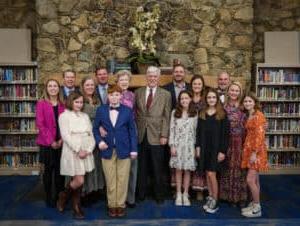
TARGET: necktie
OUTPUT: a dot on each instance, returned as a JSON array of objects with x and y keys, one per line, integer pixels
[
  {"x": 104, "y": 95},
  {"x": 149, "y": 99}
]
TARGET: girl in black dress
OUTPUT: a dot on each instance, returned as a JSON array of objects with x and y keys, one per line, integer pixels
[{"x": 212, "y": 143}]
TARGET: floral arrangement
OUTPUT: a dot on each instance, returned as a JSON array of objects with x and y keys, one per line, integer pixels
[{"x": 143, "y": 32}]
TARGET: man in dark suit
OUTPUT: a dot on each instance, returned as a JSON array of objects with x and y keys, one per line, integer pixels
[
  {"x": 223, "y": 84},
  {"x": 178, "y": 84},
  {"x": 101, "y": 75},
  {"x": 153, "y": 106},
  {"x": 69, "y": 77}
]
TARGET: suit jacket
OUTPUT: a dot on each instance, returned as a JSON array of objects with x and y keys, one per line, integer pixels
[
  {"x": 65, "y": 94},
  {"x": 122, "y": 136},
  {"x": 157, "y": 120},
  {"x": 98, "y": 94},
  {"x": 45, "y": 122},
  {"x": 171, "y": 88}
]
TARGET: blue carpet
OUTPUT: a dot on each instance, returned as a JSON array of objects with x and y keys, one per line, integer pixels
[{"x": 280, "y": 203}]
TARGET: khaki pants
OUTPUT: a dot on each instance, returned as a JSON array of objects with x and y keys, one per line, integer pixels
[{"x": 116, "y": 172}]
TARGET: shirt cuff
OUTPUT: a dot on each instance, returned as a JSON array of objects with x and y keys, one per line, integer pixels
[{"x": 133, "y": 153}]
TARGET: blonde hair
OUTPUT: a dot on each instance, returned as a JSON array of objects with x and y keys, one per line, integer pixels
[
  {"x": 238, "y": 84},
  {"x": 45, "y": 94},
  {"x": 122, "y": 73}
]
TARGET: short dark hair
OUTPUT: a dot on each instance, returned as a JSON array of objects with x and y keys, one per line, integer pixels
[
  {"x": 98, "y": 67},
  {"x": 70, "y": 99},
  {"x": 114, "y": 88},
  {"x": 178, "y": 65},
  {"x": 69, "y": 70}
]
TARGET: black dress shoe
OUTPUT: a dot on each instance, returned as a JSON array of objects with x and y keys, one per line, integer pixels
[{"x": 130, "y": 205}]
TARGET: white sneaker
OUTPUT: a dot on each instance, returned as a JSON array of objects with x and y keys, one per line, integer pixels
[
  {"x": 254, "y": 212},
  {"x": 185, "y": 199},
  {"x": 212, "y": 207},
  {"x": 178, "y": 200},
  {"x": 208, "y": 199},
  {"x": 248, "y": 208}
]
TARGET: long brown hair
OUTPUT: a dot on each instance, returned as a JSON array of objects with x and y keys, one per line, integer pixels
[
  {"x": 203, "y": 84},
  {"x": 95, "y": 99},
  {"x": 45, "y": 94},
  {"x": 71, "y": 98},
  {"x": 220, "y": 112},
  {"x": 252, "y": 95},
  {"x": 191, "y": 110}
]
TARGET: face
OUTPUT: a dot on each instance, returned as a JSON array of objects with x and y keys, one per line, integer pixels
[
  {"x": 123, "y": 82},
  {"x": 69, "y": 79},
  {"x": 89, "y": 87},
  {"x": 152, "y": 79},
  {"x": 197, "y": 85},
  {"x": 185, "y": 100},
  {"x": 234, "y": 92},
  {"x": 223, "y": 81},
  {"x": 78, "y": 104},
  {"x": 211, "y": 99},
  {"x": 114, "y": 98},
  {"x": 178, "y": 74},
  {"x": 52, "y": 88},
  {"x": 249, "y": 103},
  {"x": 102, "y": 76}
]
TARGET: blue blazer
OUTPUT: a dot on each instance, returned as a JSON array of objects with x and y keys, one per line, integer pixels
[{"x": 122, "y": 136}]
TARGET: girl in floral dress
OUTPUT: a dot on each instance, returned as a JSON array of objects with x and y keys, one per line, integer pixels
[
  {"x": 255, "y": 152},
  {"x": 182, "y": 145}
]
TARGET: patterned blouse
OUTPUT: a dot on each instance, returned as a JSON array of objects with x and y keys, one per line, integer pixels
[
  {"x": 128, "y": 99},
  {"x": 237, "y": 119},
  {"x": 255, "y": 143}
]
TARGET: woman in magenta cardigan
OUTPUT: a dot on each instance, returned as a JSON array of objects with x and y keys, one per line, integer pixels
[{"x": 47, "y": 111}]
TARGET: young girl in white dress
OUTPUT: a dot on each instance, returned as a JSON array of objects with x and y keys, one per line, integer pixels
[
  {"x": 78, "y": 145},
  {"x": 182, "y": 145}
]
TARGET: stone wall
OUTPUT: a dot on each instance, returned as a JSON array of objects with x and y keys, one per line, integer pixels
[
  {"x": 207, "y": 35},
  {"x": 19, "y": 14},
  {"x": 271, "y": 15}
]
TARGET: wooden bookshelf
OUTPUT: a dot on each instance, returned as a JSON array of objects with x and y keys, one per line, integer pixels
[
  {"x": 278, "y": 89},
  {"x": 18, "y": 96}
]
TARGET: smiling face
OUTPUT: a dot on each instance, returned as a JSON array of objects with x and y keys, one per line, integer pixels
[
  {"x": 69, "y": 79},
  {"x": 123, "y": 82},
  {"x": 197, "y": 85},
  {"x": 102, "y": 76},
  {"x": 52, "y": 88},
  {"x": 152, "y": 79},
  {"x": 89, "y": 87},
  {"x": 78, "y": 104},
  {"x": 223, "y": 81},
  {"x": 211, "y": 99},
  {"x": 185, "y": 100},
  {"x": 234, "y": 92},
  {"x": 178, "y": 74},
  {"x": 249, "y": 103},
  {"x": 114, "y": 98}
]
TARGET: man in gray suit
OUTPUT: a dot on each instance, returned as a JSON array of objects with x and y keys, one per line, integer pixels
[{"x": 153, "y": 107}]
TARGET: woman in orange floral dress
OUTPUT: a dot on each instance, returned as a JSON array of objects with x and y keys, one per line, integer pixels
[{"x": 255, "y": 152}]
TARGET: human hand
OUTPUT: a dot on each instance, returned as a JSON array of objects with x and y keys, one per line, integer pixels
[
  {"x": 102, "y": 146},
  {"x": 163, "y": 141},
  {"x": 253, "y": 158},
  {"x": 221, "y": 157},
  {"x": 102, "y": 131},
  {"x": 173, "y": 152}
]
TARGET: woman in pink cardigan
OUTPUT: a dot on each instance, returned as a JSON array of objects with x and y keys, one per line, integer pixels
[{"x": 47, "y": 111}]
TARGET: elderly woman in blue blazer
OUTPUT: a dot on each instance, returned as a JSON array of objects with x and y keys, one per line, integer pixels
[{"x": 116, "y": 148}]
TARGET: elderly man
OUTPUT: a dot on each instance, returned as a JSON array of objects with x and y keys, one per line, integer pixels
[
  {"x": 178, "y": 84},
  {"x": 153, "y": 106},
  {"x": 69, "y": 78},
  {"x": 223, "y": 83}
]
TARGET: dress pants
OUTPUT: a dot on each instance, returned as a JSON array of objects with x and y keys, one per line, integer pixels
[
  {"x": 51, "y": 177},
  {"x": 116, "y": 172},
  {"x": 150, "y": 157},
  {"x": 132, "y": 181}
]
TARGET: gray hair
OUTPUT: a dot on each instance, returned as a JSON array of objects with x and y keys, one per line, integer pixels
[
  {"x": 122, "y": 73},
  {"x": 223, "y": 72},
  {"x": 153, "y": 69}
]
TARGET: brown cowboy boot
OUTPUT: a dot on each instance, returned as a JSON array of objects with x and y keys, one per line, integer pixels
[
  {"x": 63, "y": 197},
  {"x": 77, "y": 211}
]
